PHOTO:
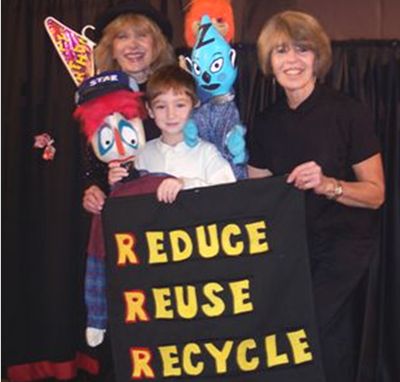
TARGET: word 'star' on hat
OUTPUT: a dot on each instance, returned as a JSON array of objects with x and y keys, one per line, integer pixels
[{"x": 104, "y": 83}]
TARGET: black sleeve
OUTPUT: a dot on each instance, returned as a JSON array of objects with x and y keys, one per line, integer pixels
[
  {"x": 363, "y": 140},
  {"x": 95, "y": 171},
  {"x": 256, "y": 144}
]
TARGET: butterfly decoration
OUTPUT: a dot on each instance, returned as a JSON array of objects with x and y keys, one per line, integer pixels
[
  {"x": 74, "y": 49},
  {"x": 46, "y": 142}
]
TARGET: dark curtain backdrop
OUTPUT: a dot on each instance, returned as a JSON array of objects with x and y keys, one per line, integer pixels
[{"x": 45, "y": 230}]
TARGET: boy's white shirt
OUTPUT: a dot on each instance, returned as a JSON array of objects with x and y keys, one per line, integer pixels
[{"x": 199, "y": 166}]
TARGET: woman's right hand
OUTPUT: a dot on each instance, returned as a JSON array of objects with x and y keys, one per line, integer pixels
[
  {"x": 309, "y": 175},
  {"x": 93, "y": 199},
  {"x": 116, "y": 173}
]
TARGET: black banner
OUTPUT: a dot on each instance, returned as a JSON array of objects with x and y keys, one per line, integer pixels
[{"x": 214, "y": 287}]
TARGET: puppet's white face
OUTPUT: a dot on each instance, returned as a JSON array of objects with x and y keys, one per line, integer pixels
[{"x": 118, "y": 139}]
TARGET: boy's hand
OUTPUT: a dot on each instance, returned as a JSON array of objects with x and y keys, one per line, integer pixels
[
  {"x": 168, "y": 190},
  {"x": 116, "y": 173}
]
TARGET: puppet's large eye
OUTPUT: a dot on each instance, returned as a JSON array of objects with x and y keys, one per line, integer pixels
[
  {"x": 216, "y": 65},
  {"x": 128, "y": 134},
  {"x": 105, "y": 139},
  {"x": 196, "y": 68}
]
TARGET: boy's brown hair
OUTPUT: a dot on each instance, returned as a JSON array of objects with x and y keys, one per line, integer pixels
[{"x": 170, "y": 77}]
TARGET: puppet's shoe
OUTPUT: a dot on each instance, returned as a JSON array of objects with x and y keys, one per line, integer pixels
[{"x": 94, "y": 336}]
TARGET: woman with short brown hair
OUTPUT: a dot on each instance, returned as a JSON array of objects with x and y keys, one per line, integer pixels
[{"x": 326, "y": 144}]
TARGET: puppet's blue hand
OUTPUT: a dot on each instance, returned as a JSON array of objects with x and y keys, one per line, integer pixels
[
  {"x": 191, "y": 133},
  {"x": 236, "y": 144}
]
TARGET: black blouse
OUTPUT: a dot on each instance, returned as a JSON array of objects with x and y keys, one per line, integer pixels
[{"x": 336, "y": 132}]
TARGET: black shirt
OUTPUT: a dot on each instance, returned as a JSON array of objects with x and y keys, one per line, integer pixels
[{"x": 336, "y": 132}]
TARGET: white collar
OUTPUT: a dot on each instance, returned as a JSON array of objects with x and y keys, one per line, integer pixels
[{"x": 164, "y": 147}]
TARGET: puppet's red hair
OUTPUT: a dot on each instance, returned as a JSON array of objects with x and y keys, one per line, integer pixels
[
  {"x": 216, "y": 9},
  {"x": 92, "y": 113}
]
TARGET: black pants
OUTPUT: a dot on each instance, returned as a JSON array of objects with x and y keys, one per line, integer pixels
[{"x": 338, "y": 276}]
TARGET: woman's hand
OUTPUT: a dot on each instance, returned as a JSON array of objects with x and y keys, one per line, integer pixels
[
  {"x": 168, "y": 189},
  {"x": 93, "y": 199},
  {"x": 116, "y": 173},
  {"x": 309, "y": 175},
  {"x": 367, "y": 191}
]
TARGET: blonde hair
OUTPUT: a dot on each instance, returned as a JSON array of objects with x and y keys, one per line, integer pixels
[
  {"x": 171, "y": 77},
  {"x": 163, "y": 53},
  {"x": 298, "y": 28}
]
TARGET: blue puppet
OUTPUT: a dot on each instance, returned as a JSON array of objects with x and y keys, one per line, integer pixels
[{"x": 217, "y": 120}]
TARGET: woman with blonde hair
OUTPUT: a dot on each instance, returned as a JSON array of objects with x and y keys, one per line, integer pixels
[
  {"x": 326, "y": 144},
  {"x": 135, "y": 38},
  {"x": 149, "y": 48}
]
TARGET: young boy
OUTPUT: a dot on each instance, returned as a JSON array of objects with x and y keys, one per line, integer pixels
[{"x": 171, "y": 96}]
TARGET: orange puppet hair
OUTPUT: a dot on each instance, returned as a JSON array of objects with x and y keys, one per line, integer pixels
[
  {"x": 220, "y": 12},
  {"x": 92, "y": 113}
]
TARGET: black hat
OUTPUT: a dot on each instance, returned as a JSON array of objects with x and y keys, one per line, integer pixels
[
  {"x": 104, "y": 83},
  {"x": 141, "y": 7}
]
